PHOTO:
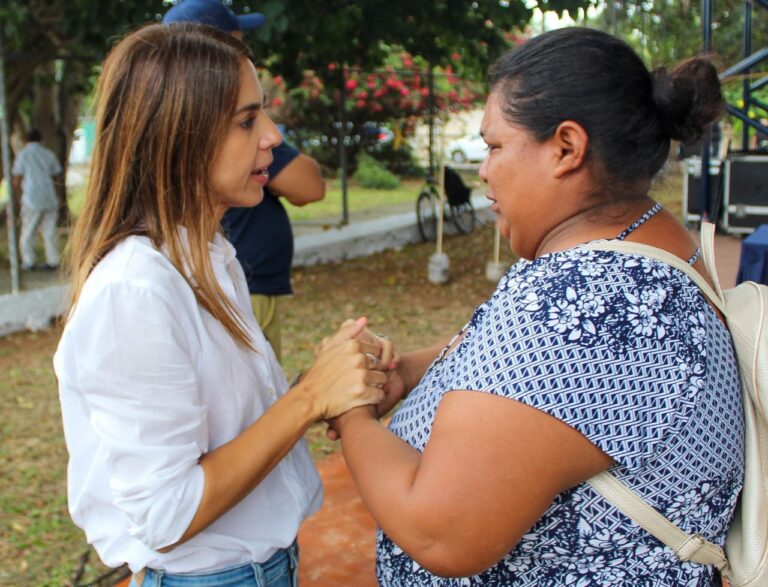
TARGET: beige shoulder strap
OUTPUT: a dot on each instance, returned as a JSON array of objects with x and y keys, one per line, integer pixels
[
  {"x": 668, "y": 258},
  {"x": 708, "y": 253},
  {"x": 687, "y": 547}
]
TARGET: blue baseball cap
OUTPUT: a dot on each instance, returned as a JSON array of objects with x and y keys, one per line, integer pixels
[{"x": 213, "y": 13}]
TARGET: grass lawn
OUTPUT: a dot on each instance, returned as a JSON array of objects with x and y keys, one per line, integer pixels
[
  {"x": 359, "y": 199},
  {"x": 39, "y": 545}
]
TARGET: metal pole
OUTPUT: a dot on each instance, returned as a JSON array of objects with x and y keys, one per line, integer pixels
[
  {"x": 745, "y": 92},
  {"x": 343, "y": 148},
  {"x": 5, "y": 147},
  {"x": 431, "y": 117},
  {"x": 706, "y": 24}
]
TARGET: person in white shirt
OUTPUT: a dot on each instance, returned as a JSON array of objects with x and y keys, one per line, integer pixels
[
  {"x": 34, "y": 171},
  {"x": 186, "y": 458}
]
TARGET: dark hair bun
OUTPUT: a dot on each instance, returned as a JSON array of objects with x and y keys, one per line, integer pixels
[{"x": 688, "y": 98}]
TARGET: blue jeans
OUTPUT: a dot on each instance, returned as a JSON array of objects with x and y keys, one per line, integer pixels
[{"x": 281, "y": 570}]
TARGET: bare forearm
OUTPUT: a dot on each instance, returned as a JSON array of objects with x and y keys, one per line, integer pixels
[
  {"x": 234, "y": 469},
  {"x": 385, "y": 468},
  {"x": 414, "y": 364},
  {"x": 300, "y": 182},
  {"x": 337, "y": 382}
]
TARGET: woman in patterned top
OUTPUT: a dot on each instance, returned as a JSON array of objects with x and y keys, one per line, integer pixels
[{"x": 580, "y": 361}]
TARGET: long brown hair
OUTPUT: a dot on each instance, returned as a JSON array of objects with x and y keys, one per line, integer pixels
[{"x": 165, "y": 100}]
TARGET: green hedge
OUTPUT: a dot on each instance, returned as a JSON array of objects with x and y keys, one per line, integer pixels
[{"x": 372, "y": 174}]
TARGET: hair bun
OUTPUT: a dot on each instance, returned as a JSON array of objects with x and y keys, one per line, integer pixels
[{"x": 688, "y": 98}]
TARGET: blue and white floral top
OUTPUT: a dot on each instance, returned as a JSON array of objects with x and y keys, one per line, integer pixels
[{"x": 627, "y": 351}]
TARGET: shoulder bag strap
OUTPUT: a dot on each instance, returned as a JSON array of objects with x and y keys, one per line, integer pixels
[
  {"x": 644, "y": 250},
  {"x": 689, "y": 547},
  {"x": 708, "y": 252}
]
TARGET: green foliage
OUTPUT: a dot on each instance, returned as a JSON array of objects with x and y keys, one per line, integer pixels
[
  {"x": 357, "y": 33},
  {"x": 72, "y": 33},
  {"x": 666, "y": 32},
  {"x": 400, "y": 161},
  {"x": 372, "y": 174}
]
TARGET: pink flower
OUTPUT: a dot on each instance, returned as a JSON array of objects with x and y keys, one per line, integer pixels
[{"x": 351, "y": 84}]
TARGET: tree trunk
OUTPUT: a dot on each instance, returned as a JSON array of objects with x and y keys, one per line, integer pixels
[
  {"x": 70, "y": 102},
  {"x": 57, "y": 110}
]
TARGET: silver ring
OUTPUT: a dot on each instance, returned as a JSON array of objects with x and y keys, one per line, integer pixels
[
  {"x": 382, "y": 336},
  {"x": 372, "y": 360}
]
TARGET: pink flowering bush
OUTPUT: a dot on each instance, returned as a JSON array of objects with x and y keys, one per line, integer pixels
[{"x": 395, "y": 96}]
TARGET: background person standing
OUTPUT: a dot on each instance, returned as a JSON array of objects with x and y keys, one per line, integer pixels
[
  {"x": 34, "y": 172},
  {"x": 262, "y": 235}
]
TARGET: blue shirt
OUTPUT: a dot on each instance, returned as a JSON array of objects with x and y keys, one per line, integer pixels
[
  {"x": 262, "y": 235},
  {"x": 625, "y": 350}
]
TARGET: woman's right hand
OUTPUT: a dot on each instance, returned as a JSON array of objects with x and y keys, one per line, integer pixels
[
  {"x": 388, "y": 357},
  {"x": 346, "y": 374}
]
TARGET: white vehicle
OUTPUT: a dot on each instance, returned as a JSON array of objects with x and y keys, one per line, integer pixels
[{"x": 467, "y": 149}]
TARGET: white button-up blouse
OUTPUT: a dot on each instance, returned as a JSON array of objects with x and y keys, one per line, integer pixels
[{"x": 148, "y": 382}]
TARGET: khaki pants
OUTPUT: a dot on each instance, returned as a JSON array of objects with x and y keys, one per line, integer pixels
[{"x": 266, "y": 309}]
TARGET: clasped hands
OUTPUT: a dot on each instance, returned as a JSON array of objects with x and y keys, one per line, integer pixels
[{"x": 381, "y": 360}]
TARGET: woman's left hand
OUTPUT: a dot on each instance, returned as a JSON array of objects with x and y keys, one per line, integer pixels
[{"x": 389, "y": 361}]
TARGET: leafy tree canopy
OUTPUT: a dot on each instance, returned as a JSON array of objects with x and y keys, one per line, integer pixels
[{"x": 306, "y": 34}]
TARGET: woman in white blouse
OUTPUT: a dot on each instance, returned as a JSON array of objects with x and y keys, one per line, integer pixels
[{"x": 186, "y": 459}]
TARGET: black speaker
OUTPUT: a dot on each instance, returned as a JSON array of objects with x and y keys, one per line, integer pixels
[
  {"x": 746, "y": 193},
  {"x": 692, "y": 187}
]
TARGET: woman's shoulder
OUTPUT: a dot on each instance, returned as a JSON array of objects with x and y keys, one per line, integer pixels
[
  {"x": 133, "y": 293},
  {"x": 587, "y": 295},
  {"x": 586, "y": 269},
  {"x": 134, "y": 267}
]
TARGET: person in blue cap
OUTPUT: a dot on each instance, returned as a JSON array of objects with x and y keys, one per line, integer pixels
[
  {"x": 214, "y": 13},
  {"x": 262, "y": 235}
]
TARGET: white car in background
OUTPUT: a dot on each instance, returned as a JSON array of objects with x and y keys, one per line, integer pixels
[{"x": 467, "y": 149}]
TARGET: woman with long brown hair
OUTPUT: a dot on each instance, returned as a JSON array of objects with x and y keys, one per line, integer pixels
[{"x": 185, "y": 444}]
